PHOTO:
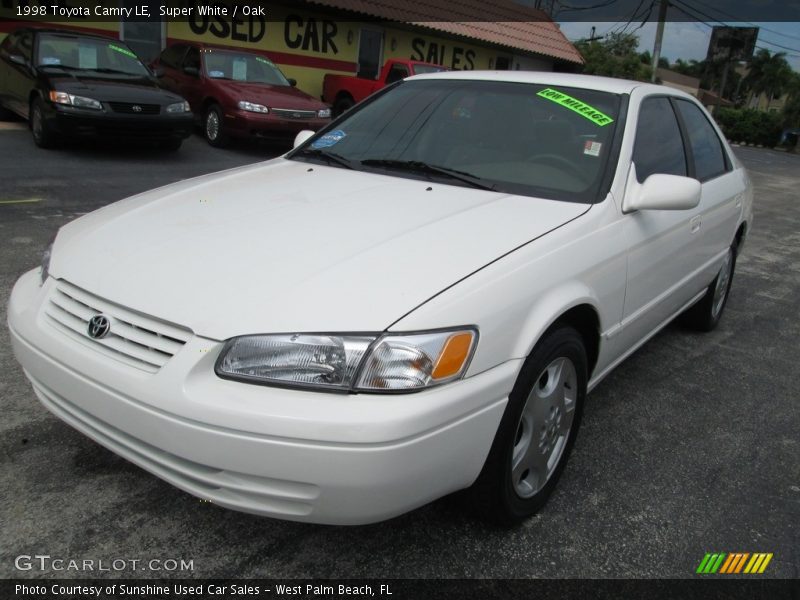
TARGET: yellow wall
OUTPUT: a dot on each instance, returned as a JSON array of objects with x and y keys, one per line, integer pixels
[{"x": 293, "y": 38}]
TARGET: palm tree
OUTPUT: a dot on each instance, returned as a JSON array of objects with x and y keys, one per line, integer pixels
[{"x": 768, "y": 74}]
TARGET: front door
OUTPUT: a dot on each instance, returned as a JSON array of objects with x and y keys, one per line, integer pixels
[{"x": 661, "y": 252}]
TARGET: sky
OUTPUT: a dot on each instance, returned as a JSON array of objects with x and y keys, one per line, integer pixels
[{"x": 689, "y": 40}]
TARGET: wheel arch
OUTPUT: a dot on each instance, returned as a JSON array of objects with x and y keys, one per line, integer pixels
[{"x": 574, "y": 306}]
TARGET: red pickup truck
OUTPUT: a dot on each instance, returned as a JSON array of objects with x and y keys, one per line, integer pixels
[{"x": 343, "y": 91}]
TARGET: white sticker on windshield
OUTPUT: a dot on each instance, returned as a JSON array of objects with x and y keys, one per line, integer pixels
[
  {"x": 87, "y": 57},
  {"x": 329, "y": 139},
  {"x": 50, "y": 60},
  {"x": 216, "y": 74},
  {"x": 240, "y": 69},
  {"x": 591, "y": 148}
]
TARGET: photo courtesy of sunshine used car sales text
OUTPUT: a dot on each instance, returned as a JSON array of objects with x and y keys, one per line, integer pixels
[{"x": 228, "y": 590}]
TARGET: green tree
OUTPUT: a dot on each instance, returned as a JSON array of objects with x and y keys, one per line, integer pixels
[
  {"x": 768, "y": 74},
  {"x": 614, "y": 56}
]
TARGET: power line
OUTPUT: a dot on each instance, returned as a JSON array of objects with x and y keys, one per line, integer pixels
[
  {"x": 687, "y": 7},
  {"x": 722, "y": 12}
]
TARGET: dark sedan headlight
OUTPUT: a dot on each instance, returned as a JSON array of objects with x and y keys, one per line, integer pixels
[
  {"x": 253, "y": 107},
  {"x": 179, "y": 107},
  {"x": 359, "y": 362},
  {"x": 324, "y": 113},
  {"x": 76, "y": 101}
]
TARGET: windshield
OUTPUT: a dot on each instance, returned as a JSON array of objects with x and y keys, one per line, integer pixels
[
  {"x": 528, "y": 139},
  {"x": 422, "y": 69},
  {"x": 88, "y": 54},
  {"x": 239, "y": 66}
]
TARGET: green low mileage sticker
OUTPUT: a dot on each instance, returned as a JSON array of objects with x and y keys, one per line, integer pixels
[
  {"x": 583, "y": 109},
  {"x": 121, "y": 50}
]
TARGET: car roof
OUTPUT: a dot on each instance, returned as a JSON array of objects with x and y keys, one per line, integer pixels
[{"x": 588, "y": 82}]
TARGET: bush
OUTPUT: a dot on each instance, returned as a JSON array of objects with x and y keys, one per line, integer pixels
[{"x": 748, "y": 126}]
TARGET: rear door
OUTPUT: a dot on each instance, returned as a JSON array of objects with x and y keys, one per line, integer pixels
[{"x": 722, "y": 195}]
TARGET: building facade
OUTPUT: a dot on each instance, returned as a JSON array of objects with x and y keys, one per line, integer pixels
[{"x": 308, "y": 39}]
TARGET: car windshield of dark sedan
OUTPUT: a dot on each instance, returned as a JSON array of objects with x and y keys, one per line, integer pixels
[
  {"x": 88, "y": 54},
  {"x": 530, "y": 139},
  {"x": 248, "y": 68}
]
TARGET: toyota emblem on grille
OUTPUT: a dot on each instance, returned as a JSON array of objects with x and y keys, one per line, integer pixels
[
  {"x": 99, "y": 326},
  {"x": 136, "y": 108}
]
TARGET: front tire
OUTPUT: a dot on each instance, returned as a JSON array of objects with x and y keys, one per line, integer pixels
[
  {"x": 707, "y": 312},
  {"x": 214, "y": 127},
  {"x": 537, "y": 431},
  {"x": 43, "y": 136}
]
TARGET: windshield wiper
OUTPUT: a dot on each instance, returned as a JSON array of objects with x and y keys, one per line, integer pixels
[
  {"x": 64, "y": 67},
  {"x": 117, "y": 72},
  {"x": 423, "y": 167},
  {"x": 329, "y": 156}
]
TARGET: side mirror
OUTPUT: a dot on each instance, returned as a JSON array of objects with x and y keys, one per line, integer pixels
[
  {"x": 292, "y": 82},
  {"x": 18, "y": 60},
  {"x": 193, "y": 71},
  {"x": 661, "y": 192},
  {"x": 302, "y": 137}
]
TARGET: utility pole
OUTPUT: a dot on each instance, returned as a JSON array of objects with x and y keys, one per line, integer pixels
[
  {"x": 593, "y": 37},
  {"x": 662, "y": 16}
]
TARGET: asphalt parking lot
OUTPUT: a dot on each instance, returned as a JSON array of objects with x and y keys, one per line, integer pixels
[{"x": 691, "y": 446}]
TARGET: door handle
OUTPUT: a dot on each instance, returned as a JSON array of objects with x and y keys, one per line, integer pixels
[{"x": 695, "y": 223}]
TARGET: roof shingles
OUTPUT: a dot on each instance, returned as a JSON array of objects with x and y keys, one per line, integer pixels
[{"x": 500, "y": 22}]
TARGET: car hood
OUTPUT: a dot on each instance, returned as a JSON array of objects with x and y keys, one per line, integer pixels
[
  {"x": 289, "y": 246},
  {"x": 277, "y": 96},
  {"x": 113, "y": 89}
]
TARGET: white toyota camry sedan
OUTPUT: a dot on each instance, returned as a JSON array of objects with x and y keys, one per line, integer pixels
[{"x": 413, "y": 301}]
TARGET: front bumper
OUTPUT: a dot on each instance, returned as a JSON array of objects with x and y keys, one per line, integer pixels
[
  {"x": 82, "y": 123},
  {"x": 242, "y": 123},
  {"x": 290, "y": 454}
]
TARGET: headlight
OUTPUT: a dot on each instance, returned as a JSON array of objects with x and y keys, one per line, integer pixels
[
  {"x": 77, "y": 101},
  {"x": 179, "y": 107},
  {"x": 369, "y": 363},
  {"x": 325, "y": 113},
  {"x": 251, "y": 107},
  {"x": 45, "y": 272}
]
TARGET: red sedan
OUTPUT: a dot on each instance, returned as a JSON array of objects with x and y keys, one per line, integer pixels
[{"x": 238, "y": 94}]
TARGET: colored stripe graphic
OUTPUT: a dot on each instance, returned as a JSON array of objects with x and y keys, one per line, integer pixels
[
  {"x": 711, "y": 562},
  {"x": 734, "y": 563}
]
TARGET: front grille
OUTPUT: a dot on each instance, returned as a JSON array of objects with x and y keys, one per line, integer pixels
[
  {"x": 288, "y": 113},
  {"x": 133, "y": 108},
  {"x": 134, "y": 339}
]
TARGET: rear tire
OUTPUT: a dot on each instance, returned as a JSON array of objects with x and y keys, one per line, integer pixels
[
  {"x": 537, "y": 431},
  {"x": 214, "y": 127},
  {"x": 705, "y": 315},
  {"x": 43, "y": 136},
  {"x": 342, "y": 105}
]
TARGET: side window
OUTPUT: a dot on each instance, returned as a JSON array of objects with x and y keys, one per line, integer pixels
[
  {"x": 7, "y": 45},
  {"x": 709, "y": 159},
  {"x": 25, "y": 46},
  {"x": 659, "y": 145},
  {"x": 192, "y": 58},
  {"x": 396, "y": 73},
  {"x": 171, "y": 57}
]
